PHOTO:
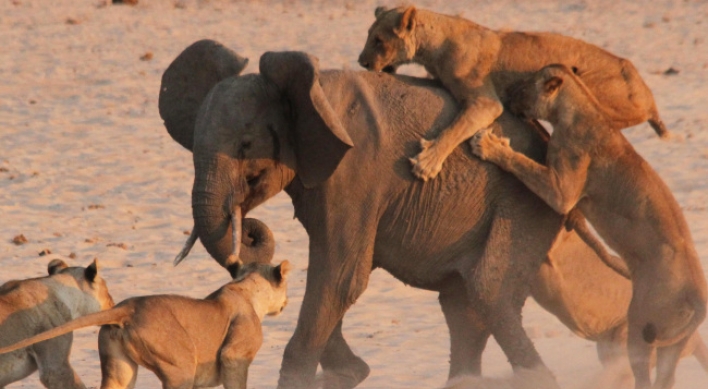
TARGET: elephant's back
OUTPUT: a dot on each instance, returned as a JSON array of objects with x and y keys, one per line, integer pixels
[
  {"x": 404, "y": 109},
  {"x": 446, "y": 218}
]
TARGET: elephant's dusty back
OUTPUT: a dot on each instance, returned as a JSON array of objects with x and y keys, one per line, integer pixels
[{"x": 400, "y": 110}]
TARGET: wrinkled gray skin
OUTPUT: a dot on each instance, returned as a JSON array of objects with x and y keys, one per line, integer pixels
[
  {"x": 338, "y": 142},
  {"x": 181, "y": 95}
]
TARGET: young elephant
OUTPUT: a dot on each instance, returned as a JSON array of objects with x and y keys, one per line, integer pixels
[
  {"x": 187, "y": 343},
  {"x": 477, "y": 65},
  {"x": 28, "y": 307},
  {"x": 591, "y": 165}
]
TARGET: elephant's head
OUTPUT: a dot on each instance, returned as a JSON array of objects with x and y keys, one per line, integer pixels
[{"x": 252, "y": 136}]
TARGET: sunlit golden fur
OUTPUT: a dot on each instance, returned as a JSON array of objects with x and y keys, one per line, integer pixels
[
  {"x": 28, "y": 307},
  {"x": 478, "y": 66},
  {"x": 590, "y": 165},
  {"x": 187, "y": 343}
]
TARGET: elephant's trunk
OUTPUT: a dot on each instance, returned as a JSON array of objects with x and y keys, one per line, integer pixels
[
  {"x": 217, "y": 209},
  {"x": 257, "y": 243}
]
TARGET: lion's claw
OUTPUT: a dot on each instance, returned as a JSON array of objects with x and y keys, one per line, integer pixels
[
  {"x": 427, "y": 164},
  {"x": 484, "y": 144}
]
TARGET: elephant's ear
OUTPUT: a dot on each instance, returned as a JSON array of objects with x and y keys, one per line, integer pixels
[
  {"x": 187, "y": 81},
  {"x": 320, "y": 139}
]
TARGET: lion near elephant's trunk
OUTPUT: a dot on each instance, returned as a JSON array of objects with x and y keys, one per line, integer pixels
[{"x": 337, "y": 142}]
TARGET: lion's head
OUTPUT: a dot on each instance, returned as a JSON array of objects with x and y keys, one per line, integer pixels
[{"x": 391, "y": 40}]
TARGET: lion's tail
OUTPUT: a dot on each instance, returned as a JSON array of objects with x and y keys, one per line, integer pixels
[{"x": 112, "y": 316}]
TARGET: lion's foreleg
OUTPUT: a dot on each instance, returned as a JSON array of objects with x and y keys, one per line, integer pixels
[
  {"x": 52, "y": 358},
  {"x": 479, "y": 113},
  {"x": 560, "y": 184}
]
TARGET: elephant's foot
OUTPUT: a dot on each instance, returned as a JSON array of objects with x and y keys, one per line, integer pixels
[{"x": 345, "y": 377}]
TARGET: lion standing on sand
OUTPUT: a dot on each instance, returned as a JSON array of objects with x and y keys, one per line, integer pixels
[
  {"x": 28, "y": 307},
  {"x": 186, "y": 342},
  {"x": 591, "y": 165},
  {"x": 477, "y": 66}
]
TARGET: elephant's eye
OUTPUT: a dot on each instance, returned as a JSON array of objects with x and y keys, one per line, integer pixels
[
  {"x": 378, "y": 42},
  {"x": 245, "y": 145},
  {"x": 254, "y": 179}
]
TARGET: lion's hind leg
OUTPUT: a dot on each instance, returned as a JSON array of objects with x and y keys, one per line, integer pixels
[
  {"x": 118, "y": 371},
  {"x": 666, "y": 360}
]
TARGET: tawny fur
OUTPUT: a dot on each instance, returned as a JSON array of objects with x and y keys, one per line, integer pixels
[
  {"x": 591, "y": 165},
  {"x": 187, "y": 343},
  {"x": 478, "y": 66},
  {"x": 28, "y": 307},
  {"x": 592, "y": 301}
]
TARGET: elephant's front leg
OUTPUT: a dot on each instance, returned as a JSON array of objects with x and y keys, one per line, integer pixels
[
  {"x": 468, "y": 334},
  {"x": 338, "y": 273},
  {"x": 342, "y": 369}
]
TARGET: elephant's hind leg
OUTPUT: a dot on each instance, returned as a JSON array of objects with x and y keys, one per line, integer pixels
[
  {"x": 468, "y": 333},
  {"x": 518, "y": 242}
]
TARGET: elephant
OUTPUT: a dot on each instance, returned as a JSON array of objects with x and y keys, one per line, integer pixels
[{"x": 337, "y": 142}]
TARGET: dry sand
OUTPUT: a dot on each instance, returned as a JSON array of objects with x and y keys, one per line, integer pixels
[{"x": 87, "y": 167}]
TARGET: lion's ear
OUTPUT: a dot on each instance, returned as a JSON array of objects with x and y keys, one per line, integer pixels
[
  {"x": 407, "y": 21},
  {"x": 91, "y": 271},
  {"x": 552, "y": 84},
  {"x": 380, "y": 10},
  {"x": 55, "y": 266},
  {"x": 281, "y": 271},
  {"x": 235, "y": 268}
]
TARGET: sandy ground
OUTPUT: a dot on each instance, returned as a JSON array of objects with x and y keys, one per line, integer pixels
[{"x": 86, "y": 166}]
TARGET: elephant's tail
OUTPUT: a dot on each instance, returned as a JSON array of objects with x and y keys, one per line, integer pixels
[
  {"x": 188, "y": 80},
  {"x": 112, "y": 316}
]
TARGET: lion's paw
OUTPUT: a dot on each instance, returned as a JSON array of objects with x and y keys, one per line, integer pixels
[
  {"x": 428, "y": 163},
  {"x": 485, "y": 144},
  {"x": 425, "y": 144}
]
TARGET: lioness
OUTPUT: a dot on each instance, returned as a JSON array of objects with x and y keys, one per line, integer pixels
[
  {"x": 477, "y": 65},
  {"x": 187, "y": 343},
  {"x": 592, "y": 301},
  {"x": 29, "y": 307},
  {"x": 589, "y": 164}
]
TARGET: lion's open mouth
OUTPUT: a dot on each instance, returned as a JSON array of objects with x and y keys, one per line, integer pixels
[{"x": 389, "y": 69}]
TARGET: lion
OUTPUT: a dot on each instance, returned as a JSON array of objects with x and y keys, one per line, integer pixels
[
  {"x": 478, "y": 65},
  {"x": 186, "y": 342},
  {"x": 592, "y": 301},
  {"x": 29, "y": 307},
  {"x": 589, "y": 164}
]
